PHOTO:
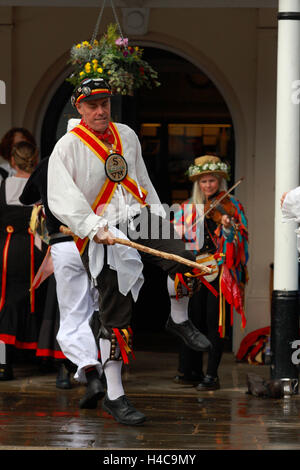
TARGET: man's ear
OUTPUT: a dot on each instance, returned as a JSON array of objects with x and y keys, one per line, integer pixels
[{"x": 78, "y": 107}]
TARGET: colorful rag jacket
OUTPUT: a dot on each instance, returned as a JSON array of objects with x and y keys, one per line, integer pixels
[{"x": 231, "y": 256}]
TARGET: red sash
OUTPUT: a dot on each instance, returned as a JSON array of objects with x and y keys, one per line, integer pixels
[{"x": 109, "y": 187}]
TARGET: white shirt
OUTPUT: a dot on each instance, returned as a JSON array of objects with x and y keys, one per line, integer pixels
[
  {"x": 10, "y": 170},
  {"x": 291, "y": 206},
  {"x": 291, "y": 210},
  {"x": 13, "y": 189},
  {"x": 76, "y": 176}
]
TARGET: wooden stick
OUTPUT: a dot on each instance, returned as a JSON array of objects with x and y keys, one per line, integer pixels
[
  {"x": 163, "y": 254},
  {"x": 152, "y": 251}
]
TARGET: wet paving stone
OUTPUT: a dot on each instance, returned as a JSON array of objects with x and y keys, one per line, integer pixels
[{"x": 34, "y": 414}]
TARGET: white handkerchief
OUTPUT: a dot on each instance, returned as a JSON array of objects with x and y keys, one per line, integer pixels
[{"x": 123, "y": 259}]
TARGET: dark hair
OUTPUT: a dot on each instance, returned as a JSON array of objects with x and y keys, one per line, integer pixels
[
  {"x": 6, "y": 143},
  {"x": 25, "y": 156}
]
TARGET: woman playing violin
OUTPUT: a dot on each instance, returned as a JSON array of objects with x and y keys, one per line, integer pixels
[{"x": 222, "y": 247}]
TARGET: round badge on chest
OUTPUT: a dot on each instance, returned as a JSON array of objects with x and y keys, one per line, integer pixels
[{"x": 116, "y": 167}]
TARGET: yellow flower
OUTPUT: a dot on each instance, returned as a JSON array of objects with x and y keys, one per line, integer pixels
[
  {"x": 100, "y": 70},
  {"x": 96, "y": 42},
  {"x": 95, "y": 61},
  {"x": 78, "y": 46},
  {"x": 85, "y": 43},
  {"x": 136, "y": 48},
  {"x": 82, "y": 73}
]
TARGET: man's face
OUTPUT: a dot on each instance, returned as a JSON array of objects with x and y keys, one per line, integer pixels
[{"x": 95, "y": 113}]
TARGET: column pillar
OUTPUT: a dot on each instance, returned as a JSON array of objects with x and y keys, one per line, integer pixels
[{"x": 285, "y": 302}]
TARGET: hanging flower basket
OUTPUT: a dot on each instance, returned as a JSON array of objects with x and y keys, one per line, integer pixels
[{"x": 114, "y": 60}]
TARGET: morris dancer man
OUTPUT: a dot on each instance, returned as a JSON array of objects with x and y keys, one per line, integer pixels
[{"x": 99, "y": 187}]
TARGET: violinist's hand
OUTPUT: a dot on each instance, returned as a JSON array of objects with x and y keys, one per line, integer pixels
[
  {"x": 283, "y": 198},
  {"x": 104, "y": 236},
  {"x": 226, "y": 221}
]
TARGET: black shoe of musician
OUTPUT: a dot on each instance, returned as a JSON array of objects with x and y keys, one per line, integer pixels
[
  {"x": 189, "y": 334},
  {"x": 6, "y": 372},
  {"x": 123, "y": 411},
  {"x": 94, "y": 391},
  {"x": 208, "y": 383},
  {"x": 63, "y": 378},
  {"x": 189, "y": 380}
]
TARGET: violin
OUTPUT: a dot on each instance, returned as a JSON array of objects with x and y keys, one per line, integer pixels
[{"x": 218, "y": 206}]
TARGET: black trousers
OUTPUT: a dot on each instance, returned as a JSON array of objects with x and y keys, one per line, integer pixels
[
  {"x": 149, "y": 230},
  {"x": 204, "y": 313}
]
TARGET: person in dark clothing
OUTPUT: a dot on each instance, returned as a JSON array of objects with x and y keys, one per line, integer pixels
[
  {"x": 35, "y": 191},
  {"x": 8, "y": 141},
  {"x": 20, "y": 308},
  {"x": 224, "y": 248}
]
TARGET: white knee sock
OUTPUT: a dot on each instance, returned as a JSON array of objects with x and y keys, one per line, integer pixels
[
  {"x": 112, "y": 371},
  {"x": 179, "y": 308}
]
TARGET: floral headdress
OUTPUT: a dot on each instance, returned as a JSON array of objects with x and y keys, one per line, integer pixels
[
  {"x": 112, "y": 59},
  {"x": 208, "y": 164}
]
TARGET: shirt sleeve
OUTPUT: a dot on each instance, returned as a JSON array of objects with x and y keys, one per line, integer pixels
[
  {"x": 67, "y": 203},
  {"x": 30, "y": 194},
  {"x": 291, "y": 206}
]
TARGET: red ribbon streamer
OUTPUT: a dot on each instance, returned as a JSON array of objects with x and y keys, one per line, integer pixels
[
  {"x": 209, "y": 286},
  {"x": 32, "y": 290},
  {"x": 122, "y": 344},
  {"x": 9, "y": 230}
]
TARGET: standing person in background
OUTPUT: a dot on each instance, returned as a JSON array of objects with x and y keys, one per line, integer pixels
[
  {"x": 20, "y": 308},
  {"x": 77, "y": 299},
  {"x": 11, "y": 138},
  {"x": 224, "y": 249}
]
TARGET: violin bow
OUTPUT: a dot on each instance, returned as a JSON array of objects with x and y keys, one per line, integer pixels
[{"x": 217, "y": 201}]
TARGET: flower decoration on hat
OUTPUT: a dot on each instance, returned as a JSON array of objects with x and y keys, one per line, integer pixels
[
  {"x": 208, "y": 164},
  {"x": 114, "y": 60}
]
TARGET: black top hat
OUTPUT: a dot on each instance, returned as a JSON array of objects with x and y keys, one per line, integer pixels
[{"x": 91, "y": 89}]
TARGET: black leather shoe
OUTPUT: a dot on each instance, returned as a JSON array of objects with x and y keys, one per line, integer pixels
[
  {"x": 189, "y": 334},
  {"x": 94, "y": 392},
  {"x": 63, "y": 378},
  {"x": 208, "y": 383},
  {"x": 6, "y": 372},
  {"x": 190, "y": 380},
  {"x": 123, "y": 411}
]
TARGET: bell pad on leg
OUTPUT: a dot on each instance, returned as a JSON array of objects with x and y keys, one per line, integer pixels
[{"x": 120, "y": 343}]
